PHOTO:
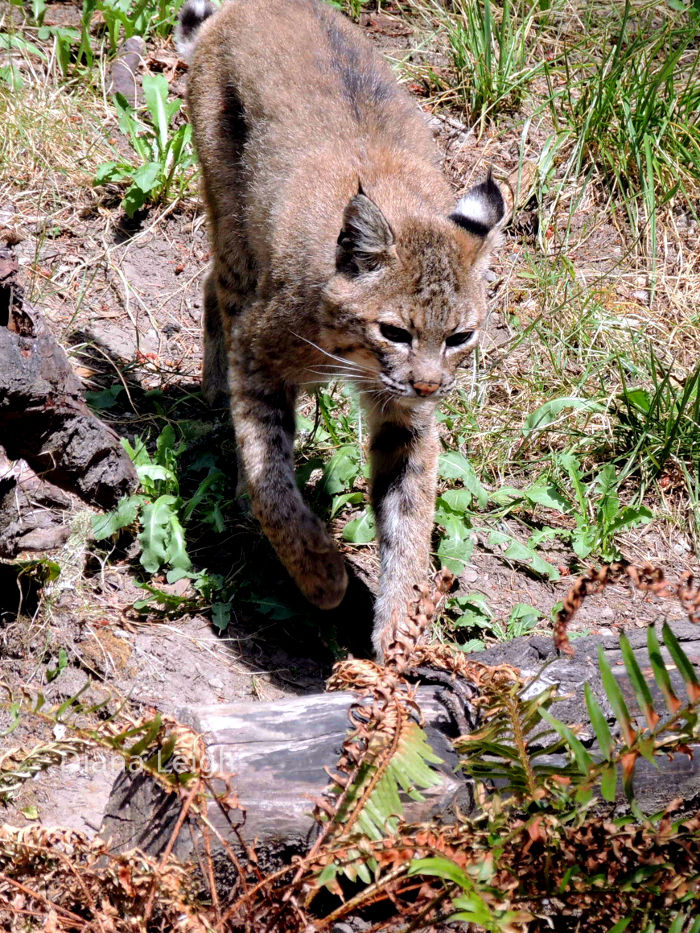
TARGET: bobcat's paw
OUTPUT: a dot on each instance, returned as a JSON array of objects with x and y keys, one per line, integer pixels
[
  {"x": 325, "y": 582},
  {"x": 321, "y": 576}
]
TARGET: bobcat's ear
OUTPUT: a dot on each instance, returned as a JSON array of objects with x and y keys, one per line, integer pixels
[
  {"x": 481, "y": 210},
  {"x": 365, "y": 242}
]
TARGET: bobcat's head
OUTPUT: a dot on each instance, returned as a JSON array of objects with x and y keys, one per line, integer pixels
[{"x": 406, "y": 305}]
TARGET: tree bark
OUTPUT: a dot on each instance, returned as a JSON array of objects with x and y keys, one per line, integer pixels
[{"x": 43, "y": 416}]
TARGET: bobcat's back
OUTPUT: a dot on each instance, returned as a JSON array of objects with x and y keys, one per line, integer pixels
[{"x": 287, "y": 94}]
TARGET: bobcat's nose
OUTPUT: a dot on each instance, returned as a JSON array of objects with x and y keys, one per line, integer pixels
[{"x": 426, "y": 388}]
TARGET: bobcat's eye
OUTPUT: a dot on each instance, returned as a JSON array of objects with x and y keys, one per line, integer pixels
[
  {"x": 395, "y": 334},
  {"x": 458, "y": 340}
]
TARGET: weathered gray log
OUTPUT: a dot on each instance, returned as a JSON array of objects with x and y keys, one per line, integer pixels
[
  {"x": 43, "y": 416},
  {"x": 276, "y": 754}
]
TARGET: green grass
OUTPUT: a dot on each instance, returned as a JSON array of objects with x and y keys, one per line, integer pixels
[{"x": 489, "y": 45}]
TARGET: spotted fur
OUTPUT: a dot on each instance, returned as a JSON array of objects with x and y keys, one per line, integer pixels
[{"x": 338, "y": 252}]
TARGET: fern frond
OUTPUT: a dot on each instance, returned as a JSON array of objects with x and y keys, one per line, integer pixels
[{"x": 16, "y": 768}]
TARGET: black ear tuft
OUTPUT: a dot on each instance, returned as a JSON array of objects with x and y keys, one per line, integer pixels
[
  {"x": 481, "y": 209},
  {"x": 366, "y": 237}
]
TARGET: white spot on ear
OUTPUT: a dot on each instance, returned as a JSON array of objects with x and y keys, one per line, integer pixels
[{"x": 473, "y": 207}]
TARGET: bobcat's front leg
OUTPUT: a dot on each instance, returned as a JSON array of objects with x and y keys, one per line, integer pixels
[
  {"x": 263, "y": 418},
  {"x": 404, "y": 466}
]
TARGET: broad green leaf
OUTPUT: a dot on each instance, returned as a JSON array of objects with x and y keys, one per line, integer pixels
[
  {"x": 128, "y": 121},
  {"x": 570, "y": 463},
  {"x": 11, "y": 76},
  {"x": 599, "y": 722},
  {"x": 638, "y": 398},
  {"x": 133, "y": 200},
  {"x": 113, "y": 171},
  {"x": 631, "y": 517},
  {"x": 148, "y": 177},
  {"x": 639, "y": 684},
  {"x": 523, "y": 617},
  {"x": 155, "y": 92},
  {"x": 155, "y": 534},
  {"x": 548, "y": 413},
  {"x": 582, "y": 542},
  {"x": 455, "y": 552},
  {"x": 154, "y": 471},
  {"x": 125, "y": 514},
  {"x": 221, "y": 615},
  {"x": 361, "y": 530},
  {"x": 177, "y": 549},
  {"x": 347, "y": 498},
  {"x": 454, "y": 465},
  {"x": 441, "y": 868},
  {"x": 548, "y": 496},
  {"x": 458, "y": 500},
  {"x": 516, "y": 550},
  {"x": 13, "y": 41},
  {"x": 341, "y": 471},
  {"x": 104, "y": 399},
  {"x": 475, "y": 611}
]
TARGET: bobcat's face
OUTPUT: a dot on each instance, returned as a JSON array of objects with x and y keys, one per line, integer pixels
[{"x": 406, "y": 309}]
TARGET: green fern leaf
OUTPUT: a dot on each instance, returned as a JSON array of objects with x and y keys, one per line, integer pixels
[
  {"x": 617, "y": 701},
  {"x": 639, "y": 684},
  {"x": 682, "y": 662},
  {"x": 583, "y": 759},
  {"x": 409, "y": 771},
  {"x": 599, "y": 722},
  {"x": 661, "y": 675}
]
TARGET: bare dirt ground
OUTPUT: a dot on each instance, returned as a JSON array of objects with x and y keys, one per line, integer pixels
[{"x": 124, "y": 298}]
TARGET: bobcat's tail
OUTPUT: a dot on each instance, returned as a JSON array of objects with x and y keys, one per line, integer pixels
[{"x": 192, "y": 15}]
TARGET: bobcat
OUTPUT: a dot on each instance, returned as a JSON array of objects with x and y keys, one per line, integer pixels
[{"x": 337, "y": 253}]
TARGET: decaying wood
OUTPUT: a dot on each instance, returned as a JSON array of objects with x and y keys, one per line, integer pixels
[
  {"x": 43, "y": 416},
  {"x": 31, "y": 511},
  {"x": 275, "y": 753}
]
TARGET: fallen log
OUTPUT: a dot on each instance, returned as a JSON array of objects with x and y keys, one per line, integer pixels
[
  {"x": 275, "y": 755},
  {"x": 43, "y": 416}
]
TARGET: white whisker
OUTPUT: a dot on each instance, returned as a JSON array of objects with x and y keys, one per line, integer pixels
[{"x": 331, "y": 356}]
